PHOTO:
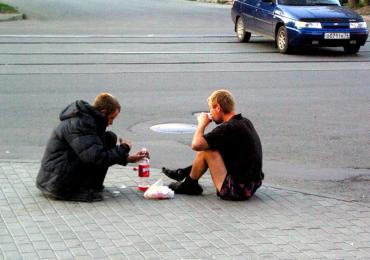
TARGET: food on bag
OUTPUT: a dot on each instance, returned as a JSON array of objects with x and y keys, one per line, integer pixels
[{"x": 158, "y": 191}]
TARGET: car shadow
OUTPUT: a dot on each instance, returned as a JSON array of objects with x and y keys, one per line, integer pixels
[{"x": 267, "y": 45}]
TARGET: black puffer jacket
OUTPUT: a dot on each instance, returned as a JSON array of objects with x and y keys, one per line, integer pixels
[{"x": 76, "y": 142}]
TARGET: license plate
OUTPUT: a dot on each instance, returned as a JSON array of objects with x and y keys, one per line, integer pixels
[{"x": 337, "y": 35}]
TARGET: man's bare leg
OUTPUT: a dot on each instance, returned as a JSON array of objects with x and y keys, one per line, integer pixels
[
  {"x": 204, "y": 160},
  {"x": 213, "y": 161}
]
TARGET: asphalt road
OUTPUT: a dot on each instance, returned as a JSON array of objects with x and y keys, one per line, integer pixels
[
  {"x": 120, "y": 17},
  {"x": 162, "y": 59}
]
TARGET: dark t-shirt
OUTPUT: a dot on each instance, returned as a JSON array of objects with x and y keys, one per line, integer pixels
[{"x": 240, "y": 148}]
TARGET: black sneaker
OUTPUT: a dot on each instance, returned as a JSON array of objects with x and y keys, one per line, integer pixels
[
  {"x": 177, "y": 175},
  {"x": 100, "y": 189},
  {"x": 189, "y": 188},
  {"x": 85, "y": 196}
]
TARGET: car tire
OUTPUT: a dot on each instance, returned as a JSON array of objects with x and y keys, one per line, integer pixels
[
  {"x": 241, "y": 34},
  {"x": 282, "y": 41},
  {"x": 351, "y": 49}
]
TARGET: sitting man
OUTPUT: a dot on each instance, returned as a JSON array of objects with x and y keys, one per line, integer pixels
[
  {"x": 232, "y": 152},
  {"x": 80, "y": 151}
]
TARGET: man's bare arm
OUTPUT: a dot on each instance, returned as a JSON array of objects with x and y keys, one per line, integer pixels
[{"x": 199, "y": 143}]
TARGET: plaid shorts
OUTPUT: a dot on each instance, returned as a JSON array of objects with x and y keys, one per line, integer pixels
[{"x": 233, "y": 190}]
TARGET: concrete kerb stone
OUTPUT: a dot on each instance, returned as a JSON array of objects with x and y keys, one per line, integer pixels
[
  {"x": 11, "y": 17},
  {"x": 227, "y": 2},
  {"x": 314, "y": 193}
]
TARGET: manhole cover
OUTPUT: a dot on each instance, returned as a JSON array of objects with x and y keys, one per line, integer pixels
[{"x": 174, "y": 128}]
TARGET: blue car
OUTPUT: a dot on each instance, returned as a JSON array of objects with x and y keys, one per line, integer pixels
[{"x": 294, "y": 23}]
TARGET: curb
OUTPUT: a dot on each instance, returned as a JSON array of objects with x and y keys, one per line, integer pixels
[
  {"x": 11, "y": 17},
  {"x": 316, "y": 194},
  {"x": 227, "y": 2}
]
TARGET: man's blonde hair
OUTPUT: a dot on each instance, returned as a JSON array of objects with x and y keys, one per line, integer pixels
[
  {"x": 223, "y": 98},
  {"x": 107, "y": 102}
]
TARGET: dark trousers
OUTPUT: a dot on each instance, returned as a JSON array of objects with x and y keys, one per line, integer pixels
[{"x": 93, "y": 176}]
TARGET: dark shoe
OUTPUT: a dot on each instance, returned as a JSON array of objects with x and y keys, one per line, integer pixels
[
  {"x": 189, "y": 188},
  {"x": 100, "y": 189},
  {"x": 177, "y": 175},
  {"x": 85, "y": 196}
]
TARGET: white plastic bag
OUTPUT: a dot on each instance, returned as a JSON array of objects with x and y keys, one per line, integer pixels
[{"x": 158, "y": 191}]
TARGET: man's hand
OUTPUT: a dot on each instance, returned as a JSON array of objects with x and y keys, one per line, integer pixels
[
  {"x": 137, "y": 157},
  {"x": 203, "y": 119},
  {"x": 121, "y": 141}
]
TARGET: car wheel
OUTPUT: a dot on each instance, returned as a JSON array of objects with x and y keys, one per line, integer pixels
[
  {"x": 351, "y": 49},
  {"x": 242, "y": 35},
  {"x": 282, "y": 40}
]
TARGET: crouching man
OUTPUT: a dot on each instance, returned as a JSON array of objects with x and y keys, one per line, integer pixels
[
  {"x": 80, "y": 151},
  {"x": 232, "y": 152}
]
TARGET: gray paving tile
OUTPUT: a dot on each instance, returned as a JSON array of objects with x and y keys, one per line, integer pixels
[
  {"x": 8, "y": 246},
  {"x": 32, "y": 255},
  {"x": 26, "y": 248},
  {"x": 78, "y": 252},
  {"x": 275, "y": 224},
  {"x": 63, "y": 254},
  {"x": 118, "y": 257},
  {"x": 129, "y": 250},
  {"x": 45, "y": 253},
  {"x": 97, "y": 253},
  {"x": 12, "y": 255}
]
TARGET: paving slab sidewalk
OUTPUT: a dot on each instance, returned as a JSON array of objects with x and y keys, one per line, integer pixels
[{"x": 275, "y": 224}]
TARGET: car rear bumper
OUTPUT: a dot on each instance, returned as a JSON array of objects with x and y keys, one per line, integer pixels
[{"x": 316, "y": 37}]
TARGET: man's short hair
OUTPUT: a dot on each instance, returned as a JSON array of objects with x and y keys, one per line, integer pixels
[
  {"x": 107, "y": 102},
  {"x": 224, "y": 98}
]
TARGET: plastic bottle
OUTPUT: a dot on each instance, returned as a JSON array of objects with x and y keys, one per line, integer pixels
[{"x": 143, "y": 172}]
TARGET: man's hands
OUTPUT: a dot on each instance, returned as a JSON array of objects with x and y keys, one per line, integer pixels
[
  {"x": 137, "y": 156},
  {"x": 204, "y": 119}
]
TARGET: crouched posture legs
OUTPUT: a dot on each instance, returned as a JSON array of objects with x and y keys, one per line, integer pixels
[
  {"x": 94, "y": 175},
  {"x": 203, "y": 161},
  {"x": 88, "y": 179}
]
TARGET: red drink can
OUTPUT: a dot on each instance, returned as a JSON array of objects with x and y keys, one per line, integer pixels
[{"x": 144, "y": 170}]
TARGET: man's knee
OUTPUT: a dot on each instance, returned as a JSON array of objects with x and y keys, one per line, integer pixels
[
  {"x": 212, "y": 155},
  {"x": 110, "y": 139}
]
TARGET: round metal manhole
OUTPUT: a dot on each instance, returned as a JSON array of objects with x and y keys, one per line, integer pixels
[{"x": 174, "y": 128}]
